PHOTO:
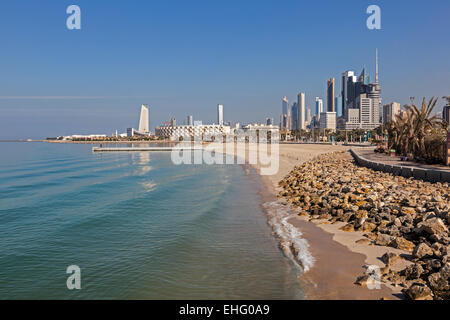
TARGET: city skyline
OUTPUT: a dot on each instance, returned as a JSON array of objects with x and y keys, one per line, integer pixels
[{"x": 60, "y": 81}]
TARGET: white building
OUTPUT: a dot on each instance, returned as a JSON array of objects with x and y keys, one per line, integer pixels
[
  {"x": 203, "y": 131},
  {"x": 143, "y": 120},
  {"x": 301, "y": 113},
  {"x": 220, "y": 114},
  {"x": 327, "y": 120},
  {"x": 190, "y": 121},
  {"x": 389, "y": 111},
  {"x": 319, "y": 107}
]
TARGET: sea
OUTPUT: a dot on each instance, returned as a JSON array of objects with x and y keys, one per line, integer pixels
[{"x": 136, "y": 225}]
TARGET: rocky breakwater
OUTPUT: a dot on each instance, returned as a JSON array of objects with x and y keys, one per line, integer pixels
[{"x": 407, "y": 214}]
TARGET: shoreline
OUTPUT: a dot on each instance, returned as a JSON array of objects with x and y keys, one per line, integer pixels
[{"x": 339, "y": 260}]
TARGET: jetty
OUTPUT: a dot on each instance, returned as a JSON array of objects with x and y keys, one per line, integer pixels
[{"x": 143, "y": 149}]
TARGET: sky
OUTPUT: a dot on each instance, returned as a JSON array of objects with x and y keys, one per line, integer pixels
[{"x": 185, "y": 57}]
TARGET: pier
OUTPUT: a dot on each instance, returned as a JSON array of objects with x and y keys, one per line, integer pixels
[{"x": 143, "y": 149}]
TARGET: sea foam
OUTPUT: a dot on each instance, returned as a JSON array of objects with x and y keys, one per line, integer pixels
[{"x": 291, "y": 242}]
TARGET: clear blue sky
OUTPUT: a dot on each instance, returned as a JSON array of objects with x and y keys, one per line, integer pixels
[{"x": 184, "y": 57}]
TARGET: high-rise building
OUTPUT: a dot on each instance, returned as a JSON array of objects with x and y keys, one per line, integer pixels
[
  {"x": 348, "y": 91},
  {"x": 446, "y": 113},
  {"x": 220, "y": 114},
  {"x": 284, "y": 105},
  {"x": 190, "y": 120},
  {"x": 308, "y": 115},
  {"x": 362, "y": 98},
  {"x": 269, "y": 121},
  {"x": 319, "y": 107},
  {"x": 143, "y": 120},
  {"x": 294, "y": 116},
  {"x": 330, "y": 96},
  {"x": 338, "y": 103},
  {"x": 389, "y": 111},
  {"x": 301, "y": 111},
  {"x": 285, "y": 114}
]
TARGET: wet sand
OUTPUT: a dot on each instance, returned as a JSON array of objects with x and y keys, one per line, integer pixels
[{"x": 339, "y": 261}]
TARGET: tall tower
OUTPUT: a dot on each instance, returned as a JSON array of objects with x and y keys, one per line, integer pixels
[
  {"x": 190, "y": 120},
  {"x": 220, "y": 114},
  {"x": 285, "y": 113},
  {"x": 143, "y": 120},
  {"x": 376, "y": 65},
  {"x": 348, "y": 92},
  {"x": 301, "y": 113},
  {"x": 319, "y": 107},
  {"x": 330, "y": 96},
  {"x": 284, "y": 105}
]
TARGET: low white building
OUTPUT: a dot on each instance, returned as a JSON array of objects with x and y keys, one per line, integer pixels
[
  {"x": 203, "y": 131},
  {"x": 327, "y": 120}
]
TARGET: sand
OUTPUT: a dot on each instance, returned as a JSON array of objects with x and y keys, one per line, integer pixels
[{"x": 339, "y": 259}]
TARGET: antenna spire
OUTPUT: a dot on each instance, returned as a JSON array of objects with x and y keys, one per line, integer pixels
[{"x": 376, "y": 65}]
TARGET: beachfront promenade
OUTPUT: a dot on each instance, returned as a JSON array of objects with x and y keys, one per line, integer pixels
[{"x": 381, "y": 162}]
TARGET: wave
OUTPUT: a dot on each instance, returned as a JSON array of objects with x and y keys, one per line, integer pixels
[
  {"x": 291, "y": 242},
  {"x": 148, "y": 186}
]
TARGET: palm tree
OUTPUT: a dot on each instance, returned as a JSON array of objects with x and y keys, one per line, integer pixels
[
  {"x": 416, "y": 132},
  {"x": 422, "y": 124}
]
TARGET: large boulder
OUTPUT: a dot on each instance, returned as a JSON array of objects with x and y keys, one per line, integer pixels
[
  {"x": 402, "y": 244},
  {"x": 438, "y": 282},
  {"x": 383, "y": 239},
  {"x": 413, "y": 271},
  {"x": 422, "y": 250},
  {"x": 418, "y": 291},
  {"x": 390, "y": 258},
  {"x": 434, "y": 226}
]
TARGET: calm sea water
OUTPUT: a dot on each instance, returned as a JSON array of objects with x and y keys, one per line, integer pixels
[{"x": 138, "y": 226}]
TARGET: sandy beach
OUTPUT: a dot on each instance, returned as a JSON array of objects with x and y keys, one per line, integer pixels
[{"x": 339, "y": 260}]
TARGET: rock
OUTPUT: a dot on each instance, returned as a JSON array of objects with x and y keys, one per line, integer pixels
[
  {"x": 362, "y": 280},
  {"x": 383, "y": 240},
  {"x": 390, "y": 258},
  {"x": 422, "y": 250},
  {"x": 368, "y": 227},
  {"x": 413, "y": 271},
  {"x": 402, "y": 244},
  {"x": 434, "y": 226},
  {"x": 438, "y": 282},
  {"x": 347, "y": 228},
  {"x": 407, "y": 210},
  {"x": 418, "y": 292}
]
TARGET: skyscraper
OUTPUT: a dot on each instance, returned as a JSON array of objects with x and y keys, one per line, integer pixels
[
  {"x": 446, "y": 111},
  {"x": 284, "y": 105},
  {"x": 220, "y": 114},
  {"x": 389, "y": 111},
  {"x": 143, "y": 120},
  {"x": 348, "y": 92},
  {"x": 361, "y": 100},
  {"x": 285, "y": 114},
  {"x": 294, "y": 116},
  {"x": 338, "y": 103},
  {"x": 301, "y": 111},
  {"x": 190, "y": 121},
  {"x": 319, "y": 107},
  {"x": 330, "y": 96}
]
